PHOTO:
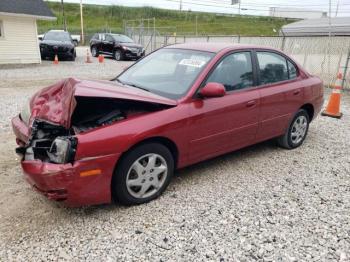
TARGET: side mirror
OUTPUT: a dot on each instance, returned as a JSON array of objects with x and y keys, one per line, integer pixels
[
  {"x": 213, "y": 90},
  {"x": 40, "y": 38}
]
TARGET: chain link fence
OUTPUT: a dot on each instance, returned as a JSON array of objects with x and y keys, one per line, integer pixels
[{"x": 321, "y": 56}]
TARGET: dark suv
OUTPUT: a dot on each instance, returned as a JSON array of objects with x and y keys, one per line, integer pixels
[
  {"x": 57, "y": 42},
  {"x": 119, "y": 46}
]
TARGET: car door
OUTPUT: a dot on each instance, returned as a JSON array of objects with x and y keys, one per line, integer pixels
[
  {"x": 98, "y": 41},
  {"x": 280, "y": 92},
  {"x": 222, "y": 124},
  {"x": 108, "y": 44}
]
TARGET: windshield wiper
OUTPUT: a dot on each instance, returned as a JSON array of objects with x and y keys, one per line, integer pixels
[
  {"x": 131, "y": 84},
  {"x": 139, "y": 87}
]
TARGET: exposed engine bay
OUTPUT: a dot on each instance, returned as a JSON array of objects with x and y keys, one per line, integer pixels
[{"x": 53, "y": 143}]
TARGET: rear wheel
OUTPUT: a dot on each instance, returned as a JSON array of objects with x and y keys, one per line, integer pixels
[
  {"x": 143, "y": 174},
  {"x": 297, "y": 131}
]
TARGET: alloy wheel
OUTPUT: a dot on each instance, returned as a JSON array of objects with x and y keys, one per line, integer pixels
[
  {"x": 299, "y": 129},
  {"x": 146, "y": 176}
]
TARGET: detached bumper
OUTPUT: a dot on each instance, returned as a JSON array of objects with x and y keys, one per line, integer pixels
[{"x": 69, "y": 182}]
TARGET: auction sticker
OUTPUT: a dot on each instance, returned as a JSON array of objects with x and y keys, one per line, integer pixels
[{"x": 192, "y": 62}]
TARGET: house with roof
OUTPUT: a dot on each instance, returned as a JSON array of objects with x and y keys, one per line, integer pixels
[{"x": 18, "y": 30}]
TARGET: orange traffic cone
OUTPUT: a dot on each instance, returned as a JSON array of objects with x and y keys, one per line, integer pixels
[
  {"x": 55, "y": 61},
  {"x": 101, "y": 59},
  {"x": 333, "y": 107},
  {"x": 88, "y": 60}
]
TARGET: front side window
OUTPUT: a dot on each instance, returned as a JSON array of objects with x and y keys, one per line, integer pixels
[
  {"x": 273, "y": 68},
  {"x": 109, "y": 38},
  {"x": 235, "y": 72},
  {"x": 167, "y": 72}
]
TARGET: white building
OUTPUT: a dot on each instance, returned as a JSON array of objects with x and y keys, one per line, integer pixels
[
  {"x": 18, "y": 30},
  {"x": 297, "y": 13}
]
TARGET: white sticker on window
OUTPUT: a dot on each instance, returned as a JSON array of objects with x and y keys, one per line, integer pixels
[{"x": 192, "y": 62}]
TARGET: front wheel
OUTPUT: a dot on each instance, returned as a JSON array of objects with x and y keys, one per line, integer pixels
[
  {"x": 94, "y": 51},
  {"x": 118, "y": 55},
  {"x": 297, "y": 131},
  {"x": 142, "y": 174}
]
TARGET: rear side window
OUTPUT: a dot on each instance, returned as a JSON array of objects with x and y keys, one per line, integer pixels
[
  {"x": 235, "y": 72},
  {"x": 273, "y": 68},
  {"x": 293, "y": 73}
]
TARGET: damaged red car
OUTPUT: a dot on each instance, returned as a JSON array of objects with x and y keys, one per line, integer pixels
[{"x": 88, "y": 142}]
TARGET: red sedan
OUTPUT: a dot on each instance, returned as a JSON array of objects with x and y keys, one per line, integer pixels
[{"x": 88, "y": 142}]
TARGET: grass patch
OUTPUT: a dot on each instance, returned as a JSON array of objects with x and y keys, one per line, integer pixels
[{"x": 98, "y": 18}]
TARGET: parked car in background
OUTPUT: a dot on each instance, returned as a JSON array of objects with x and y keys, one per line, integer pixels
[
  {"x": 86, "y": 142},
  {"x": 119, "y": 46},
  {"x": 57, "y": 42},
  {"x": 76, "y": 38}
]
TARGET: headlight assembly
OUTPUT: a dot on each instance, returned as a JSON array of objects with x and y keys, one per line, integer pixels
[{"x": 62, "y": 150}]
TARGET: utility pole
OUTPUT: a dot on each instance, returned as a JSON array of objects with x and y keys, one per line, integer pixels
[
  {"x": 233, "y": 2},
  {"x": 180, "y": 5},
  {"x": 196, "y": 25},
  {"x": 82, "y": 23},
  {"x": 239, "y": 7},
  {"x": 64, "y": 17},
  {"x": 336, "y": 12}
]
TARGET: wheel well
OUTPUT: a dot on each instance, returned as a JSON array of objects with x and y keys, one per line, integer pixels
[
  {"x": 161, "y": 140},
  {"x": 309, "y": 109}
]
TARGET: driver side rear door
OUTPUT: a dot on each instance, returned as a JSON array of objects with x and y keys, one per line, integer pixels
[{"x": 223, "y": 124}]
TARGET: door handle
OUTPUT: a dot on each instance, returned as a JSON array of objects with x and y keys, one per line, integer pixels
[
  {"x": 296, "y": 92},
  {"x": 251, "y": 103}
]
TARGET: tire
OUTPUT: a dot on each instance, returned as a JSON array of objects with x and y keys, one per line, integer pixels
[
  {"x": 296, "y": 132},
  {"x": 118, "y": 55},
  {"x": 130, "y": 187},
  {"x": 94, "y": 51}
]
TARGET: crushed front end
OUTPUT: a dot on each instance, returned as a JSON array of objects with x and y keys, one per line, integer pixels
[{"x": 48, "y": 161}]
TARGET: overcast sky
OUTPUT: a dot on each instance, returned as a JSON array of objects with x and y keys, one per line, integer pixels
[{"x": 254, "y": 7}]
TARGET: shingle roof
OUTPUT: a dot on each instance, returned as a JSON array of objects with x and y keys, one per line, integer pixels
[
  {"x": 311, "y": 27},
  {"x": 37, "y": 8}
]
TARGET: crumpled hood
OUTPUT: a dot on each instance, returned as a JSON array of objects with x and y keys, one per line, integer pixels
[{"x": 56, "y": 103}]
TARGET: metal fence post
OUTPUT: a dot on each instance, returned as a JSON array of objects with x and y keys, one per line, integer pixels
[
  {"x": 345, "y": 69},
  {"x": 283, "y": 43}
]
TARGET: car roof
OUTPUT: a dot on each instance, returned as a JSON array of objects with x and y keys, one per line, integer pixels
[{"x": 214, "y": 47}]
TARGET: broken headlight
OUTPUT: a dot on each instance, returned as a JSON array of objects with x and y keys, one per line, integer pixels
[
  {"x": 62, "y": 150},
  {"x": 26, "y": 113}
]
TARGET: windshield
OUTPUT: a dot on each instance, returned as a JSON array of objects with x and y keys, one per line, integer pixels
[
  {"x": 57, "y": 36},
  {"x": 167, "y": 72},
  {"x": 122, "y": 38}
]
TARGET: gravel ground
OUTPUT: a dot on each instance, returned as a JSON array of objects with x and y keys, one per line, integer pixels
[{"x": 260, "y": 203}]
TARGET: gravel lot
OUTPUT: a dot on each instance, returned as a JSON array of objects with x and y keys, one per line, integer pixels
[{"x": 260, "y": 203}]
